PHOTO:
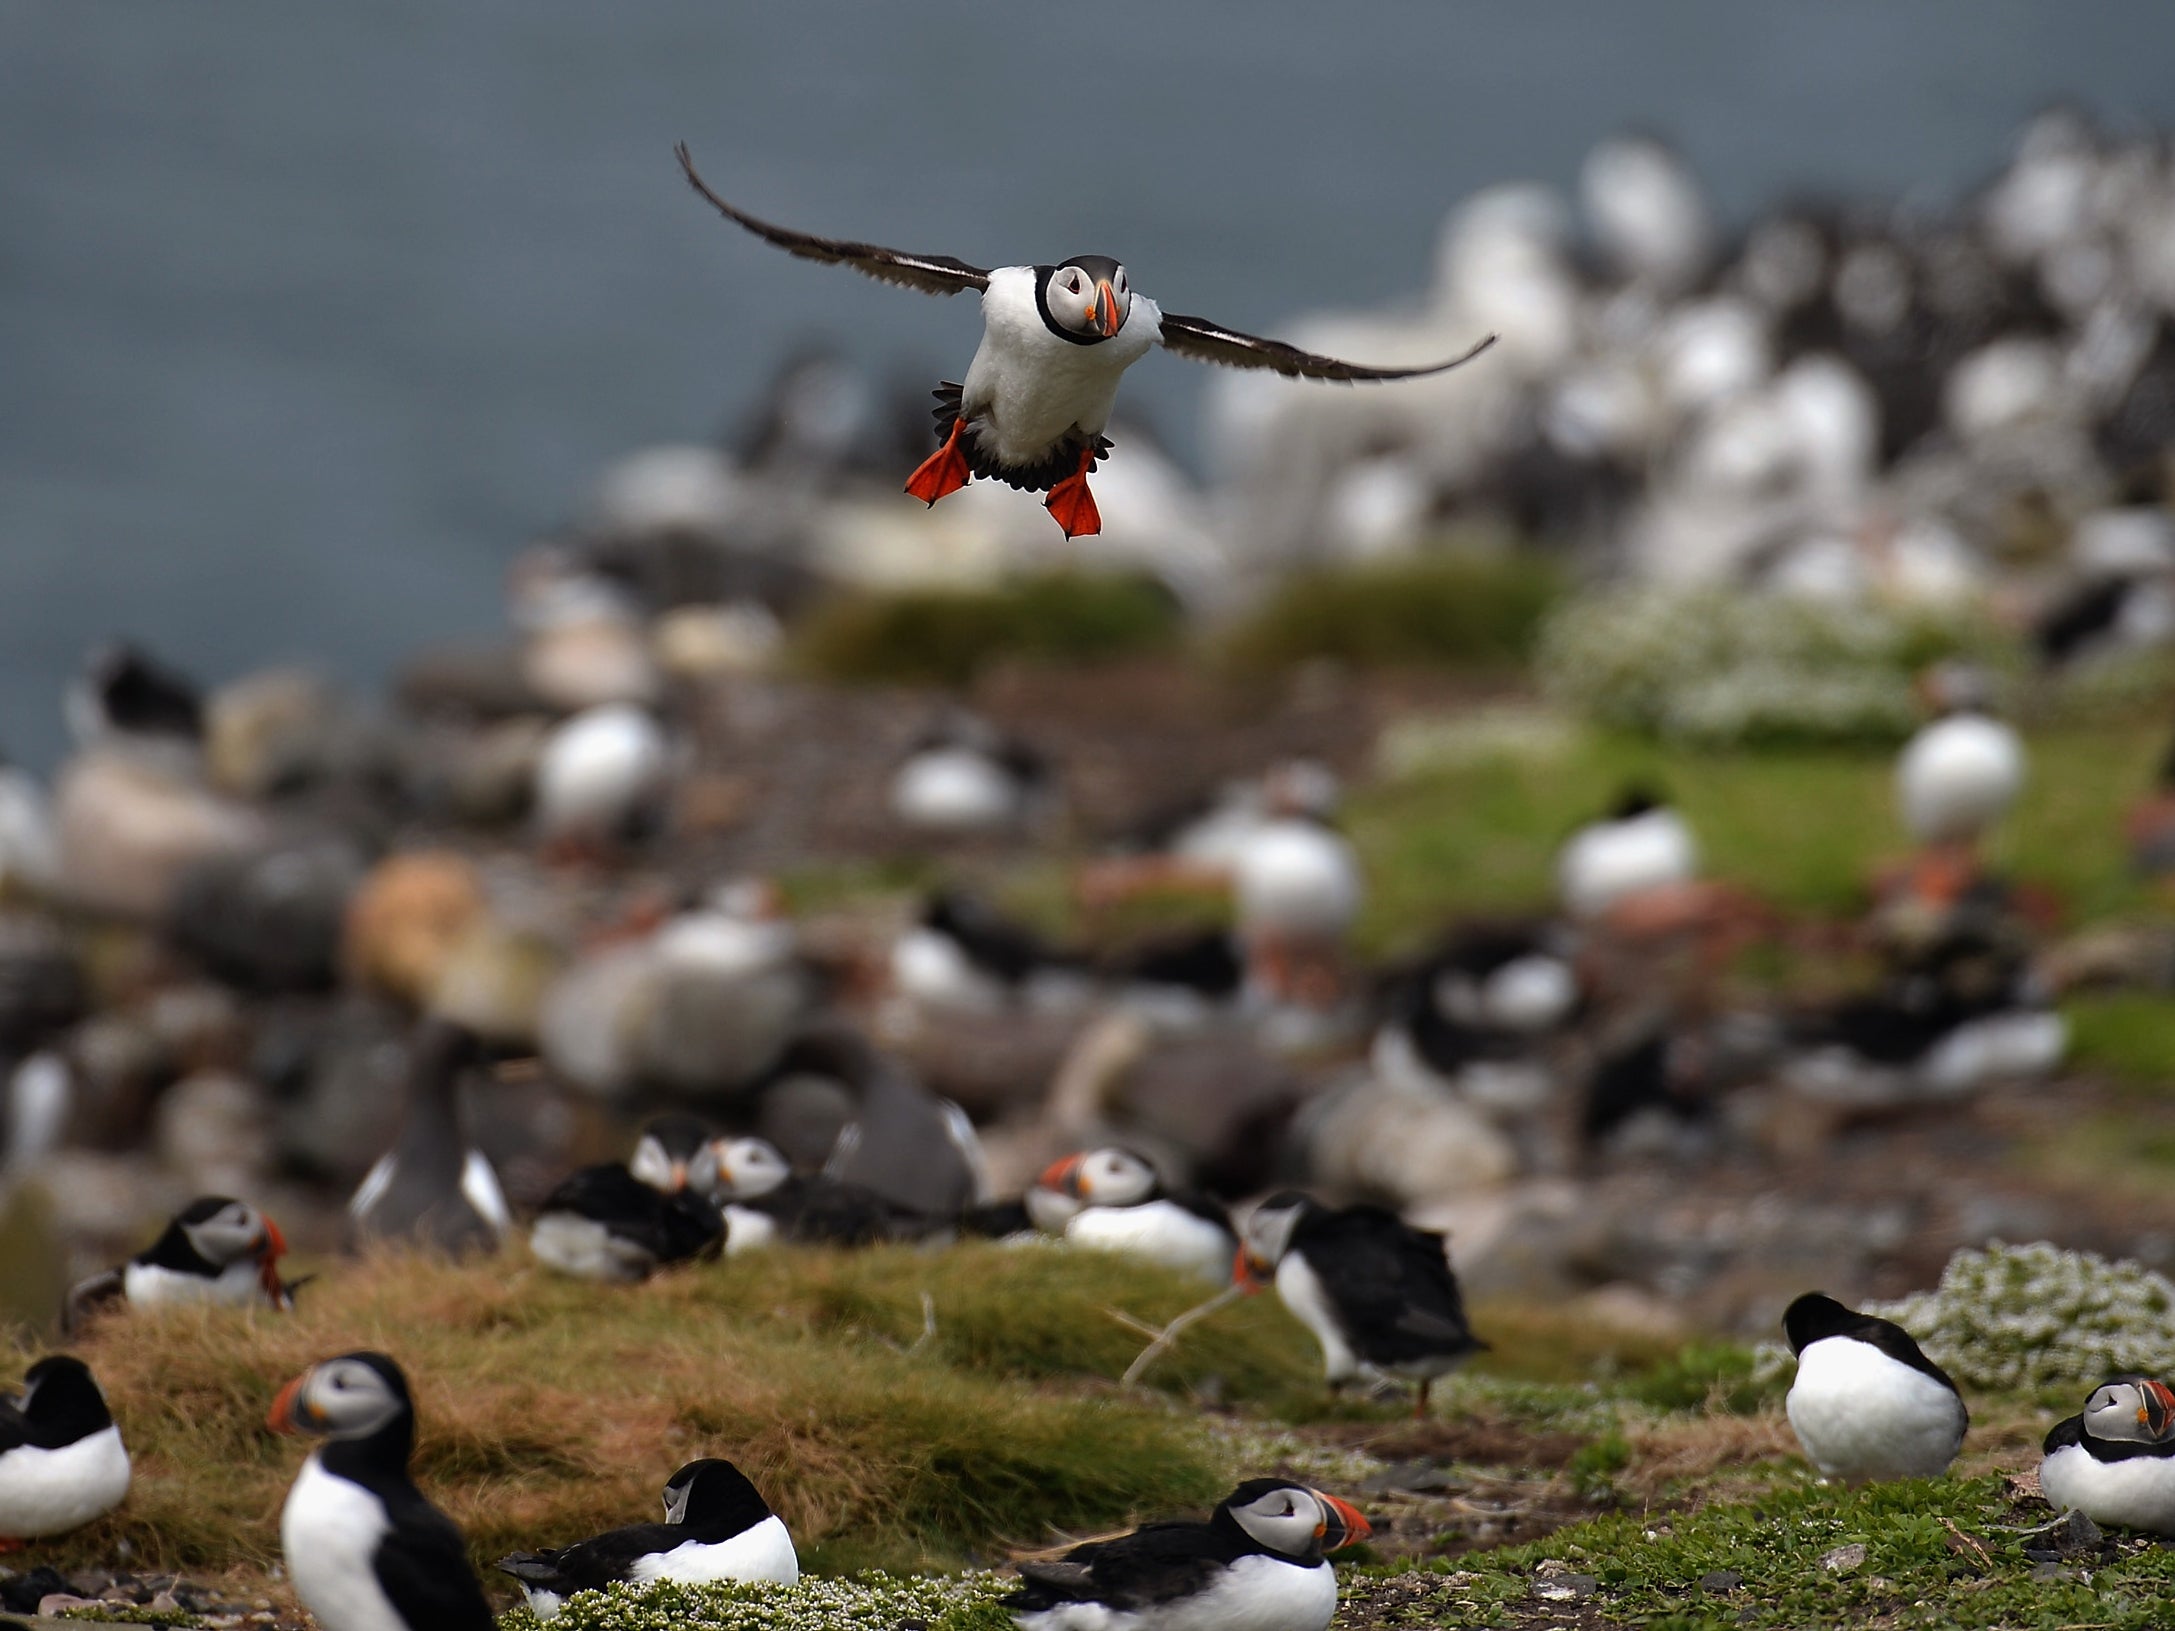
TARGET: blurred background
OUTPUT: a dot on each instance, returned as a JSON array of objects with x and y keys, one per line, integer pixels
[{"x": 1718, "y": 731}]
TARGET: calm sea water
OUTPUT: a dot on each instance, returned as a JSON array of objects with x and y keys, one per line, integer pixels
[{"x": 310, "y": 315}]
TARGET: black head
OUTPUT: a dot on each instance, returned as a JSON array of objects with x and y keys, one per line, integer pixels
[
  {"x": 1815, "y": 1316},
  {"x": 61, "y": 1402},
  {"x": 359, "y": 1401},
  {"x": 1637, "y": 799},
  {"x": 144, "y": 697},
  {"x": 713, "y": 1494},
  {"x": 1085, "y": 300}
]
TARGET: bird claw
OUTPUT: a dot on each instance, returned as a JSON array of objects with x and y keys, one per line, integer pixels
[{"x": 1070, "y": 503}]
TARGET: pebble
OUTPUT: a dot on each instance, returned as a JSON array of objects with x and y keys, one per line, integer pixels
[{"x": 1844, "y": 1559}]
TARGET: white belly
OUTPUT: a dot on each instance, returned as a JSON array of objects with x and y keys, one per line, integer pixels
[
  {"x": 1028, "y": 388},
  {"x": 329, "y": 1532},
  {"x": 1301, "y": 1290},
  {"x": 2137, "y": 1494},
  {"x": 747, "y": 1230},
  {"x": 48, "y": 1492},
  {"x": 1254, "y": 1594},
  {"x": 764, "y": 1552},
  {"x": 1161, "y": 1231},
  {"x": 1862, "y": 1416},
  {"x": 585, "y": 1248},
  {"x": 146, "y": 1285}
]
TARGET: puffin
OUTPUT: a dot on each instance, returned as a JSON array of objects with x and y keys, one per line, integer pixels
[
  {"x": 918, "y": 1151},
  {"x": 964, "y": 776},
  {"x": 2115, "y": 1460},
  {"x": 601, "y": 777},
  {"x": 1642, "y": 843},
  {"x": 765, "y": 1201},
  {"x": 717, "y": 1527},
  {"x": 1465, "y": 1021},
  {"x": 1258, "y": 1563},
  {"x": 1378, "y": 1294},
  {"x": 1055, "y": 340},
  {"x": 1867, "y": 1404},
  {"x": 61, "y": 1459},
  {"x": 365, "y": 1550},
  {"x": 433, "y": 1188},
  {"x": 963, "y": 953},
  {"x": 1958, "y": 776},
  {"x": 214, "y": 1250},
  {"x": 673, "y": 1152},
  {"x": 1115, "y": 1202},
  {"x": 124, "y": 698},
  {"x": 605, "y": 1223}
]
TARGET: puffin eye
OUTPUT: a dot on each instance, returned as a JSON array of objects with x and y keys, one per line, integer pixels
[{"x": 1073, "y": 283}]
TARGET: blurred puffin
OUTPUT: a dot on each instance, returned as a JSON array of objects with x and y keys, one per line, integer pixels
[
  {"x": 215, "y": 1250},
  {"x": 1641, "y": 844},
  {"x": 365, "y": 1550},
  {"x": 1257, "y": 1564},
  {"x": 717, "y": 1527},
  {"x": 605, "y": 1223},
  {"x": 1055, "y": 341},
  {"x": 964, "y": 776},
  {"x": 433, "y": 1188},
  {"x": 2115, "y": 1460},
  {"x": 1111, "y": 1200},
  {"x": 61, "y": 1460},
  {"x": 1867, "y": 1403},
  {"x": 1958, "y": 776},
  {"x": 963, "y": 953},
  {"x": 1378, "y": 1294},
  {"x": 601, "y": 778},
  {"x": 765, "y": 1201},
  {"x": 125, "y": 699},
  {"x": 673, "y": 1152},
  {"x": 1464, "y": 1021}
]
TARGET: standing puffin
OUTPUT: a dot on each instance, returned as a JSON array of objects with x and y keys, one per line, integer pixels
[
  {"x": 1641, "y": 844},
  {"x": 433, "y": 1188},
  {"x": 61, "y": 1460},
  {"x": 1867, "y": 1403},
  {"x": 1055, "y": 340},
  {"x": 215, "y": 1250},
  {"x": 1958, "y": 776},
  {"x": 2115, "y": 1460},
  {"x": 1116, "y": 1203},
  {"x": 365, "y": 1550},
  {"x": 1256, "y": 1565},
  {"x": 1378, "y": 1294},
  {"x": 717, "y": 1527}
]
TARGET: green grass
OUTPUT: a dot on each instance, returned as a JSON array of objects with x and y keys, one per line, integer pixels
[
  {"x": 1447, "y": 610},
  {"x": 2129, "y": 1035}
]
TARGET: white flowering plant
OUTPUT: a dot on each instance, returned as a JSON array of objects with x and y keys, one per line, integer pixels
[{"x": 861, "y": 1602}]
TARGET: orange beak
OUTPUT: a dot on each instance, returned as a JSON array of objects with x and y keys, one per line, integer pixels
[
  {"x": 281, "y": 1417},
  {"x": 2158, "y": 1413},
  {"x": 1105, "y": 310},
  {"x": 269, "y": 1253},
  {"x": 1248, "y": 1272},
  {"x": 1342, "y": 1523},
  {"x": 679, "y": 1176},
  {"x": 1064, "y": 1176}
]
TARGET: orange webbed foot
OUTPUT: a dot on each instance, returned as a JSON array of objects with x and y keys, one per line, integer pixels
[
  {"x": 944, "y": 471},
  {"x": 1070, "y": 503}
]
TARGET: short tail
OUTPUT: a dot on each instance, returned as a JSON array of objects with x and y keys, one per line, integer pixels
[{"x": 534, "y": 1569}]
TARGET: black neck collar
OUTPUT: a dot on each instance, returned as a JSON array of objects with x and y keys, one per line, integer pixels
[{"x": 1043, "y": 274}]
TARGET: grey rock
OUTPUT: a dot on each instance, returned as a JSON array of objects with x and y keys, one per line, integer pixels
[{"x": 1844, "y": 1559}]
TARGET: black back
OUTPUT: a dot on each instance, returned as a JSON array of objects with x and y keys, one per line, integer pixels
[
  {"x": 423, "y": 1202},
  {"x": 721, "y": 1503},
  {"x": 1390, "y": 1284},
  {"x": 2079, "y": 618},
  {"x": 671, "y": 1228},
  {"x": 1208, "y": 962},
  {"x": 145, "y": 697},
  {"x": 1815, "y": 1317},
  {"x": 172, "y": 1249},
  {"x": 64, "y": 1406},
  {"x": 991, "y": 941},
  {"x": 680, "y": 1134},
  {"x": 1156, "y": 1564},
  {"x": 422, "y": 1563},
  {"x": 2071, "y": 1430},
  {"x": 824, "y": 1211}
]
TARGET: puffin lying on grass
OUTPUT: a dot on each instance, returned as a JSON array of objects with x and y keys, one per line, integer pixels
[
  {"x": 1111, "y": 1200},
  {"x": 1055, "y": 340},
  {"x": 2114, "y": 1461},
  {"x": 216, "y": 1250},
  {"x": 61, "y": 1459}
]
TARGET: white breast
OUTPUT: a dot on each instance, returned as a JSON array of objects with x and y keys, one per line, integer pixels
[
  {"x": 954, "y": 790},
  {"x": 1610, "y": 860},
  {"x": 1031, "y": 388},
  {"x": 763, "y": 1552},
  {"x": 146, "y": 1285},
  {"x": 1301, "y": 1289},
  {"x": 933, "y": 968},
  {"x": 596, "y": 768},
  {"x": 48, "y": 1492},
  {"x": 1161, "y": 1231},
  {"x": 585, "y": 1248},
  {"x": 2138, "y": 1493},
  {"x": 1297, "y": 878},
  {"x": 747, "y": 1230},
  {"x": 329, "y": 1532},
  {"x": 1958, "y": 776},
  {"x": 1862, "y": 1415}
]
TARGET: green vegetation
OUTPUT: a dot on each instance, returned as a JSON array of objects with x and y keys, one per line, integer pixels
[
  {"x": 947, "y": 636},
  {"x": 2128, "y": 1034},
  {"x": 866, "y": 1602},
  {"x": 1448, "y": 610}
]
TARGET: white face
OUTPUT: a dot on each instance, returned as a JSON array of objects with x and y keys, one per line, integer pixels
[
  {"x": 1085, "y": 304},
  {"x": 676, "y": 1494},
  {"x": 2132, "y": 1412},
  {"x": 654, "y": 1167},
  {"x": 345, "y": 1398},
  {"x": 235, "y": 1231},
  {"x": 1112, "y": 1177},
  {"x": 1288, "y": 1519},
  {"x": 748, "y": 1168},
  {"x": 1268, "y": 1234}
]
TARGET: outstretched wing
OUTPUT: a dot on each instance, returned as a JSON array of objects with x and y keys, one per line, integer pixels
[
  {"x": 1203, "y": 341},
  {"x": 932, "y": 274}
]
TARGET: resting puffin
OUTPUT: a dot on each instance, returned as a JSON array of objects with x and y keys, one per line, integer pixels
[
  {"x": 1867, "y": 1403},
  {"x": 1257, "y": 1564},
  {"x": 1641, "y": 844},
  {"x": 674, "y": 1151},
  {"x": 1465, "y": 1022},
  {"x": 1378, "y": 1294},
  {"x": 365, "y": 1550},
  {"x": 1055, "y": 340},
  {"x": 605, "y": 1223},
  {"x": 61, "y": 1460},
  {"x": 2115, "y": 1460},
  {"x": 215, "y": 1250},
  {"x": 717, "y": 1527},
  {"x": 1112, "y": 1201},
  {"x": 766, "y": 1201}
]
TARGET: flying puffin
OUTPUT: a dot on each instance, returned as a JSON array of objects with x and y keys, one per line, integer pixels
[
  {"x": 433, "y": 1188},
  {"x": 1378, "y": 1294},
  {"x": 365, "y": 1550},
  {"x": 1257, "y": 1563},
  {"x": 2115, "y": 1461},
  {"x": 1118, "y": 1204},
  {"x": 717, "y": 1527},
  {"x": 61, "y": 1460},
  {"x": 605, "y": 1223},
  {"x": 1867, "y": 1403},
  {"x": 1055, "y": 340},
  {"x": 215, "y": 1250}
]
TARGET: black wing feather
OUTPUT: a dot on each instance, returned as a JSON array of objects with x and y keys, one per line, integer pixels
[
  {"x": 1203, "y": 341},
  {"x": 14, "y": 1431},
  {"x": 932, "y": 274},
  {"x": 1152, "y": 1565},
  {"x": 1392, "y": 1283},
  {"x": 423, "y": 1568},
  {"x": 593, "y": 1564}
]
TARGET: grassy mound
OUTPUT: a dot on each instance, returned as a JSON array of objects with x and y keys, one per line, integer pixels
[
  {"x": 947, "y": 636},
  {"x": 1446, "y": 611}
]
